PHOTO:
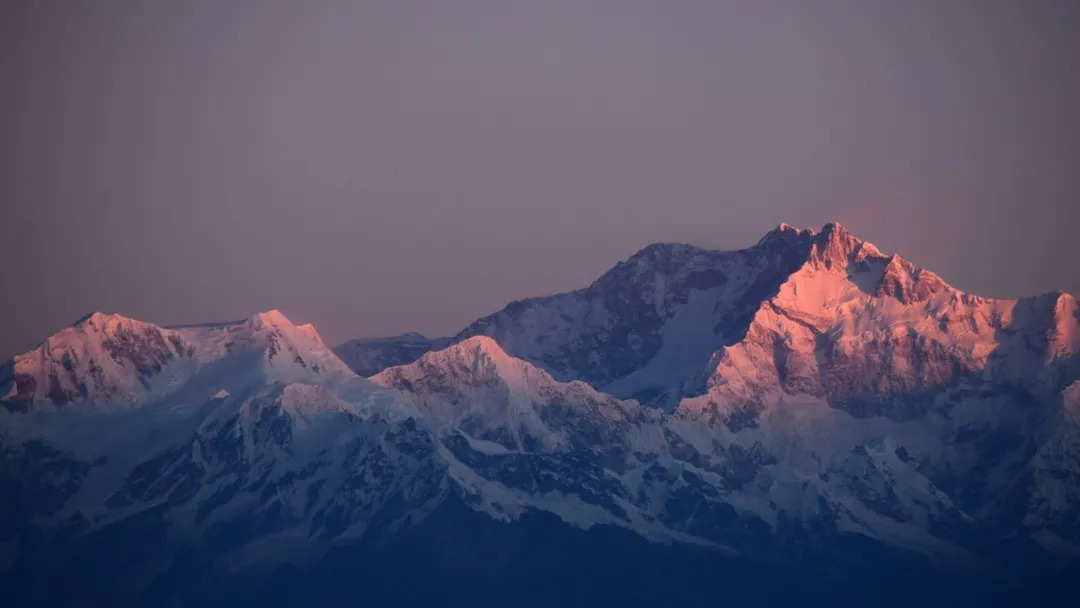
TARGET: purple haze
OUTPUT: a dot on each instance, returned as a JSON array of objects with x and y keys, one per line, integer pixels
[{"x": 377, "y": 167}]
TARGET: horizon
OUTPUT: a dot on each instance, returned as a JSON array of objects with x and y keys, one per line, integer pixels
[
  {"x": 511, "y": 303},
  {"x": 336, "y": 342},
  {"x": 392, "y": 167}
]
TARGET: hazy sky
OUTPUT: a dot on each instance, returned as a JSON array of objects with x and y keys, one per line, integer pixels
[{"x": 378, "y": 167}]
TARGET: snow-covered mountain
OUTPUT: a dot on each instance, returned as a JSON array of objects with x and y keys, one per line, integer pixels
[
  {"x": 675, "y": 320},
  {"x": 647, "y": 328},
  {"x": 517, "y": 439},
  {"x": 870, "y": 333},
  {"x": 829, "y": 416},
  {"x": 109, "y": 359}
]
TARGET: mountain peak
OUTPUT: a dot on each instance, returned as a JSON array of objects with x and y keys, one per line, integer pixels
[
  {"x": 494, "y": 395},
  {"x": 101, "y": 358},
  {"x": 835, "y": 234},
  {"x": 785, "y": 232},
  {"x": 270, "y": 318},
  {"x": 88, "y": 317},
  {"x": 907, "y": 283},
  {"x": 474, "y": 361},
  {"x": 662, "y": 252},
  {"x": 295, "y": 352},
  {"x": 105, "y": 326},
  {"x": 480, "y": 344},
  {"x": 786, "y": 228},
  {"x": 275, "y": 321},
  {"x": 475, "y": 349},
  {"x": 834, "y": 227},
  {"x": 835, "y": 246},
  {"x": 98, "y": 318}
]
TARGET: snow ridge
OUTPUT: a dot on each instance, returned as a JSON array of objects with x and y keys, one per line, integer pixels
[
  {"x": 771, "y": 401},
  {"x": 111, "y": 359}
]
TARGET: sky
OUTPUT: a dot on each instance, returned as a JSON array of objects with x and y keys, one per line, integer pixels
[{"x": 381, "y": 167}]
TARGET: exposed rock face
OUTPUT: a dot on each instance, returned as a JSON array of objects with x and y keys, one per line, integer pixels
[
  {"x": 821, "y": 314},
  {"x": 647, "y": 328},
  {"x": 869, "y": 332},
  {"x": 907, "y": 284},
  {"x": 111, "y": 359},
  {"x": 827, "y": 409},
  {"x": 369, "y": 356},
  {"x": 102, "y": 358}
]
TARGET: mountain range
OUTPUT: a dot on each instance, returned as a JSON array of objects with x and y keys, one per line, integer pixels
[{"x": 807, "y": 419}]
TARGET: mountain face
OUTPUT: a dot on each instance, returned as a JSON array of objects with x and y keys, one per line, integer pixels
[
  {"x": 674, "y": 320},
  {"x": 647, "y": 328},
  {"x": 805, "y": 420},
  {"x": 864, "y": 331},
  {"x": 110, "y": 359},
  {"x": 369, "y": 356}
]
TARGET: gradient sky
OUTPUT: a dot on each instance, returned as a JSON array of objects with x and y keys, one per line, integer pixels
[{"x": 378, "y": 167}]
